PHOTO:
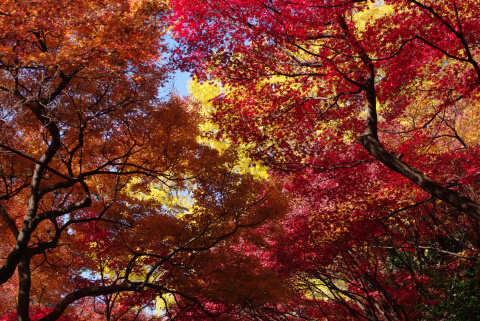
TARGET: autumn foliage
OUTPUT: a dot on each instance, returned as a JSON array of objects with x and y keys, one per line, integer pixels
[
  {"x": 367, "y": 111},
  {"x": 325, "y": 166},
  {"x": 109, "y": 203}
]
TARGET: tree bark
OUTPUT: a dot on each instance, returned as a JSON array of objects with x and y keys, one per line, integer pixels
[
  {"x": 369, "y": 140},
  {"x": 24, "y": 284}
]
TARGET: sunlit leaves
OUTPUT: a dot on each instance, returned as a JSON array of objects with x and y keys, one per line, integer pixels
[
  {"x": 106, "y": 190},
  {"x": 302, "y": 84}
]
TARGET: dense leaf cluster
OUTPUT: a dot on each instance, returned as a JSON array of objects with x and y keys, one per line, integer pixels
[{"x": 325, "y": 166}]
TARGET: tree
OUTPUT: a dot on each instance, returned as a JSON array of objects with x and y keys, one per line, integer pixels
[
  {"x": 105, "y": 191},
  {"x": 351, "y": 102},
  {"x": 302, "y": 71}
]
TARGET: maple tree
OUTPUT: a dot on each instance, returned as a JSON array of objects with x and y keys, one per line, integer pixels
[
  {"x": 352, "y": 103},
  {"x": 313, "y": 67},
  {"x": 117, "y": 201},
  {"x": 108, "y": 199}
]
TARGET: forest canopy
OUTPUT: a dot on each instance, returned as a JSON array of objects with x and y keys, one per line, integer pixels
[{"x": 325, "y": 165}]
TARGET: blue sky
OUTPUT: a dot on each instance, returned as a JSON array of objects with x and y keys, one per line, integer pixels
[
  {"x": 180, "y": 79},
  {"x": 180, "y": 82}
]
